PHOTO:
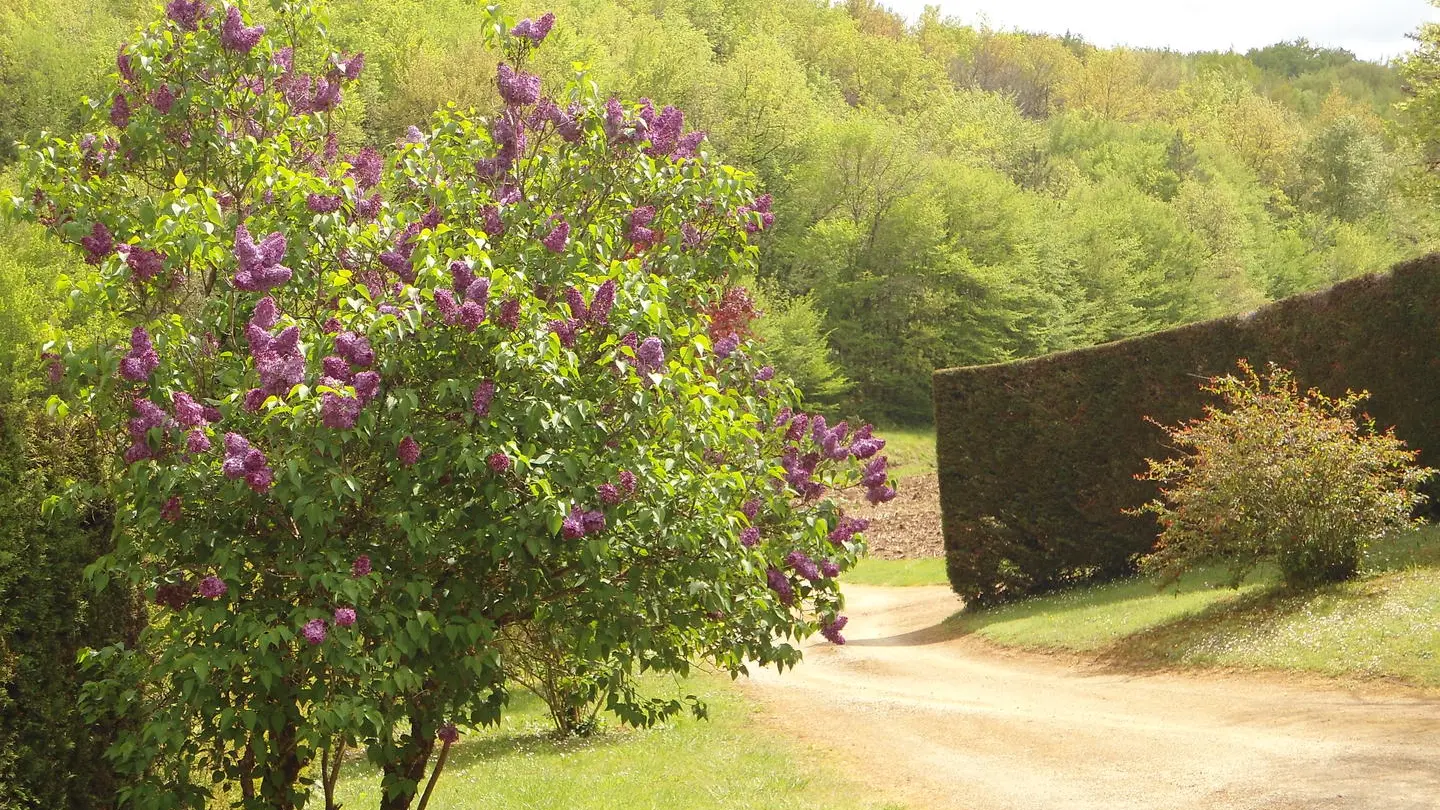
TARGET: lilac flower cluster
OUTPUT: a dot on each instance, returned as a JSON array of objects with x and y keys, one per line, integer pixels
[
  {"x": 800, "y": 563},
  {"x": 340, "y": 411},
  {"x": 726, "y": 346},
  {"x": 800, "y": 471},
  {"x": 517, "y": 87},
  {"x": 780, "y": 584},
  {"x": 750, "y": 537},
  {"x": 148, "y": 417},
  {"x": 650, "y": 355},
  {"x": 566, "y": 329},
  {"x": 120, "y": 111},
  {"x": 847, "y": 528},
  {"x": 408, "y": 452},
  {"x": 483, "y": 396},
  {"x": 236, "y": 36},
  {"x": 170, "y": 510},
  {"x": 186, "y": 13},
  {"x": 509, "y": 316},
  {"x": 278, "y": 359},
  {"x": 315, "y": 631},
  {"x": 639, "y": 231},
  {"x": 470, "y": 310},
  {"x": 612, "y": 494},
  {"x": 534, "y": 30},
  {"x": 582, "y": 523},
  {"x": 761, "y": 207},
  {"x": 765, "y": 374},
  {"x": 558, "y": 237},
  {"x": 144, "y": 264},
  {"x": 163, "y": 99},
  {"x": 499, "y": 462},
  {"x": 213, "y": 587},
  {"x": 831, "y": 630},
  {"x": 260, "y": 268},
  {"x": 141, "y": 362},
  {"x": 751, "y": 508},
  {"x": 361, "y": 566},
  {"x": 345, "y": 617},
  {"x": 98, "y": 244},
  {"x": 365, "y": 167},
  {"x": 447, "y": 733},
  {"x": 397, "y": 258},
  {"x": 323, "y": 203},
  {"x": 244, "y": 461},
  {"x": 664, "y": 132}
]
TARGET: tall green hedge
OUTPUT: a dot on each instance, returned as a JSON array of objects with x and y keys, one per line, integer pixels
[
  {"x": 1037, "y": 458},
  {"x": 50, "y": 758}
]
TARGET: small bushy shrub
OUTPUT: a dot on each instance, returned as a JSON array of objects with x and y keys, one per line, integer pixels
[{"x": 1274, "y": 474}]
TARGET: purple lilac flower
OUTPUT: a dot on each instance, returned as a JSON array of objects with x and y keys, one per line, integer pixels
[
  {"x": 534, "y": 30},
  {"x": 350, "y": 68},
  {"x": 751, "y": 508},
  {"x": 490, "y": 221},
  {"x": 255, "y": 399},
  {"x": 323, "y": 203},
  {"x": 602, "y": 302},
  {"x": 801, "y": 564},
  {"x": 123, "y": 64},
  {"x": 783, "y": 416},
  {"x": 846, "y": 530},
  {"x": 765, "y": 374},
  {"x": 361, "y": 566},
  {"x": 555, "y": 241},
  {"x": 187, "y": 411},
  {"x": 750, "y": 537},
  {"x": 171, "y": 510},
  {"x": 315, "y": 631},
  {"x": 367, "y": 385},
  {"x": 593, "y": 522},
  {"x": 576, "y": 301},
  {"x": 197, "y": 442},
  {"x": 144, "y": 264},
  {"x": 186, "y": 13},
  {"x": 260, "y": 267},
  {"x": 336, "y": 368},
  {"x": 831, "y": 630},
  {"x": 797, "y": 427},
  {"x": 355, "y": 348},
  {"x": 565, "y": 330},
  {"x": 651, "y": 355},
  {"x": 461, "y": 276},
  {"x": 517, "y": 87},
  {"x": 141, "y": 362},
  {"x": 478, "y": 292},
  {"x": 163, "y": 99},
  {"x": 236, "y": 36},
  {"x": 875, "y": 473},
  {"x": 446, "y": 306},
  {"x": 365, "y": 167},
  {"x": 344, "y": 617},
  {"x": 338, "y": 412},
  {"x": 573, "y": 527},
  {"x": 664, "y": 133},
  {"x": 499, "y": 462},
  {"x": 726, "y": 346},
  {"x": 627, "y": 481},
  {"x": 829, "y": 568},
  {"x": 509, "y": 316},
  {"x": 609, "y": 494},
  {"x": 689, "y": 144},
  {"x": 369, "y": 208},
  {"x": 266, "y": 313},
  {"x": 120, "y": 111},
  {"x": 690, "y": 236},
  {"x": 408, "y": 452},
  {"x": 471, "y": 315},
  {"x": 212, "y": 587},
  {"x": 98, "y": 244},
  {"x": 480, "y": 400},
  {"x": 879, "y": 495},
  {"x": 780, "y": 584},
  {"x": 448, "y": 733}
]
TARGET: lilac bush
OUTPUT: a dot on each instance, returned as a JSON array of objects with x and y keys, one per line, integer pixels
[{"x": 372, "y": 409}]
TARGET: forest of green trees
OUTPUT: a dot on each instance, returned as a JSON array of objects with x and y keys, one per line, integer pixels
[{"x": 945, "y": 194}]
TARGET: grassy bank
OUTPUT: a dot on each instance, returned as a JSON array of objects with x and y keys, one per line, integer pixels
[
  {"x": 724, "y": 763},
  {"x": 1384, "y": 624},
  {"x": 911, "y": 450},
  {"x": 897, "y": 573}
]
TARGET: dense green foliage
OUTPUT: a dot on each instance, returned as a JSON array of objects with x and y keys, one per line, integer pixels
[
  {"x": 947, "y": 195},
  {"x": 1271, "y": 474},
  {"x": 1038, "y": 458},
  {"x": 49, "y": 755}
]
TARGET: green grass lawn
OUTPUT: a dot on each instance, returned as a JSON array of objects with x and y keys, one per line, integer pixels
[
  {"x": 872, "y": 571},
  {"x": 911, "y": 450},
  {"x": 1384, "y": 624},
  {"x": 724, "y": 763}
]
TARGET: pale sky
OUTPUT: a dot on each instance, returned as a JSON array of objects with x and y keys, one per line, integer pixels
[{"x": 1372, "y": 29}]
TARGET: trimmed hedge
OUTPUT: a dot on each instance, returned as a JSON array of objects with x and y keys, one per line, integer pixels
[{"x": 1037, "y": 458}]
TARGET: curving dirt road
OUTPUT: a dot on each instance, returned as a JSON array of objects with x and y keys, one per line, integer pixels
[{"x": 937, "y": 721}]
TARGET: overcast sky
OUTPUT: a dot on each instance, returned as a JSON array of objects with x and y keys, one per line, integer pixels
[{"x": 1372, "y": 29}]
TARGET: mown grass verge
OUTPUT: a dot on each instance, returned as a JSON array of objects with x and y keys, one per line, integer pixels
[
  {"x": 1386, "y": 623},
  {"x": 722, "y": 763},
  {"x": 911, "y": 450},
  {"x": 875, "y": 571}
]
